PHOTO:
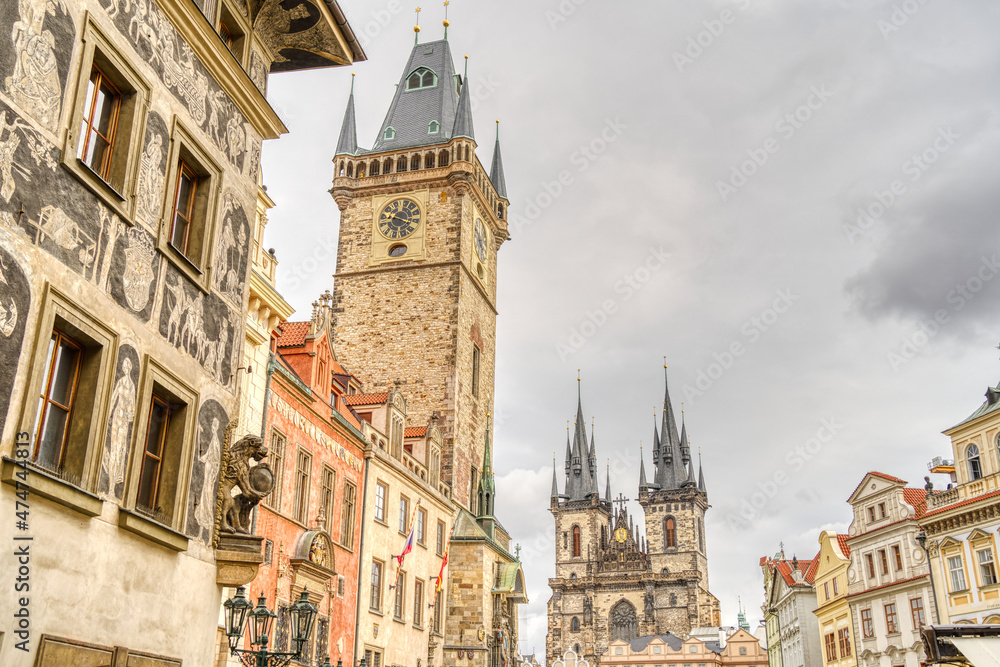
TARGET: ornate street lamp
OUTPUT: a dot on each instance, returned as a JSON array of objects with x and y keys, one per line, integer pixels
[
  {"x": 921, "y": 539},
  {"x": 237, "y": 610}
]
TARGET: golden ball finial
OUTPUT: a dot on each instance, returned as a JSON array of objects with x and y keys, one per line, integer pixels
[
  {"x": 446, "y": 23},
  {"x": 416, "y": 28}
]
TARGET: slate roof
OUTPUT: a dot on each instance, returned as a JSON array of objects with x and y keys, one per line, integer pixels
[
  {"x": 412, "y": 111},
  {"x": 293, "y": 334},
  {"x": 496, "y": 170},
  {"x": 673, "y": 641},
  {"x": 366, "y": 399},
  {"x": 986, "y": 408},
  {"x": 347, "y": 144}
]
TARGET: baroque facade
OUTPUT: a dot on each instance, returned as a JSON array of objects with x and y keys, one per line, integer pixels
[
  {"x": 833, "y": 615},
  {"x": 130, "y": 141},
  {"x": 888, "y": 578},
  {"x": 612, "y": 582},
  {"x": 414, "y": 304},
  {"x": 962, "y": 521}
]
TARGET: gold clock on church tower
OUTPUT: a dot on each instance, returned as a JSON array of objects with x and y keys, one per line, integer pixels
[{"x": 481, "y": 246}]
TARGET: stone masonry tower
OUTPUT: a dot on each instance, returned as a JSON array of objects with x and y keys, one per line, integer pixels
[
  {"x": 415, "y": 289},
  {"x": 675, "y": 504},
  {"x": 611, "y": 582}
]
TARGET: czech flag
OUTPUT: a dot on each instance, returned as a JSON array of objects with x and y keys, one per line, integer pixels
[{"x": 408, "y": 547}]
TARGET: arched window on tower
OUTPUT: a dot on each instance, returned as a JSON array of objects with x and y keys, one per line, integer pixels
[
  {"x": 361, "y": 170},
  {"x": 574, "y": 625},
  {"x": 429, "y": 161},
  {"x": 669, "y": 533},
  {"x": 374, "y": 168},
  {"x": 415, "y": 163},
  {"x": 350, "y": 170},
  {"x": 975, "y": 467},
  {"x": 673, "y": 600},
  {"x": 387, "y": 166},
  {"x": 576, "y": 541},
  {"x": 576, "y": 649},
  {"x": 624, "y": 624},
  {"x": 401, "y": 164},
  {"x": 443, "y": 159},
  {"x": 340, "y": 172}
]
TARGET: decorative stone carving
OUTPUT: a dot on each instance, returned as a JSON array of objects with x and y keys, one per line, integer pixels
[{"x": 254, "y": 483}]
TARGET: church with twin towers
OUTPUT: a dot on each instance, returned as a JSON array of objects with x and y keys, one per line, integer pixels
[{"x": 612, "y": 581}]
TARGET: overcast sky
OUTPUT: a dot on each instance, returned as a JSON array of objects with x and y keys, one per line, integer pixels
[{"x": 794, "y": 202}]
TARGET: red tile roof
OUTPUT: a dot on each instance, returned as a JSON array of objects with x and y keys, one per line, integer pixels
[
  {"x": 962, "y": 503},
  {"x": 366, "y": 399},
  {"x": 414, "y": 431},
  {"x": 807, "y": 567},
  {"x": 891, "y": 583},
  {"x": 293, "y": 334},
  {"x": 844, "y": 547},
  {"x": 917, "y": 498}
]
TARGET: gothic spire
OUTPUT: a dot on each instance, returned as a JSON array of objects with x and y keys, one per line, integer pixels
[
  {"x": 348, "y": 142},
  {"x": 555, "y": 484},
  {"x": 670, "y": 473},
  {"x": 581, "y": 481},
  {"x": 496, "y": 171},
  {"x": 685, "y": 445},
  {"x": 643, "y": 484},
  {"x": 656, "y": 440},
  {"x": 487, "y": 485},
  {"x": 607, "y": 484},
  {"x": 701, "y": 475},
  {"x": 463, "y": 117}
]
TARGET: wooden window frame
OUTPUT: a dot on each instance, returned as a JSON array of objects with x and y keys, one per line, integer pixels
[
  {"x": 844, "y": 640},
  {"x": 891, "y": 619},
  {"x": 867, "y": 624},
  {"x": 87, "y": 120},
  {"x": 377, "y": 582},
  {"x": 404, "y": 514},
  {"x": 884, "y": 561},
  {"x": 86, "y": 425},
  {"x": 46, "y": 401},
  {"x": 670, "y": 533},
  {"x": 421, "y": 531},
  {"x": 830, "y": 643},
  {"x": 399, "y": 602},
  {"x": 303, "y": 481},
  {"x": 577, "y": 542},
  {"x": 157, "y": 380},
  {"x": 116, "y": 188},
  {"x": 870, "y": 559},
  {"x": 348, "y": 506},
  {"x": 328, "y": 494},
  {"x": 277, "y": 445},
  {"x": 418, "y": 601},
  {"x": 440, "y": 538},
  {"x": 194, "y": 261},
  {"x": 379, "y": 505},
  {"x": 917, "y": 613}
]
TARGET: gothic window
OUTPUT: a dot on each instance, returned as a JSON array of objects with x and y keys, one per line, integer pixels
[
  {"x": 429, "y": 161},
  {"x": 350, "y": 170},
  {"x": 433, "y": 127},
  {"x": 576, "y": 649},
  {"x": 701, "y": 537},
  {"x": 361, "y": 170},
  {"x": 374, "y": 168},
  {"x": 574, "y": 625},
  {"x": 669, "y": 533},
  {"x": 386, "y": 166},
  {"x": 623, "y": 622},
  {"x": 421, "y": 78},
  {"x": 340, "y": 170},
  {"x": 443, "y": 162},
  {"x": 415, "y": 163},
  {"x": 576, "y": 541},
  {"x": 975, "y": 468}
]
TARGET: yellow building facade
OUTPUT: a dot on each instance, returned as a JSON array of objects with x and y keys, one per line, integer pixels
[{"x": 834, "y": 612}]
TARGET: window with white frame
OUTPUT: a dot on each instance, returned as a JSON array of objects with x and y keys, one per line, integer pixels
[
  {"x": 987, "y": 568},
  {"x": 957, "y": 574}
]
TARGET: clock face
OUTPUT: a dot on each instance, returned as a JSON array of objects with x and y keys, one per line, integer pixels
[
  {"x": 480, "y": 240},
  {"x": 399, "y": 219},
  {"x": 621, "y": 534}
]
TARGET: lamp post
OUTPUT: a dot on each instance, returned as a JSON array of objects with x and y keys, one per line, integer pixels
[
  {"x": 238, "y": 612},
  {"x": 921, "y": 538}
]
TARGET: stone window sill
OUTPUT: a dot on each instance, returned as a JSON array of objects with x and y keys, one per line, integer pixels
[
  {"x": 45, "y": 484},
  {"x": 152, "y": 530}
]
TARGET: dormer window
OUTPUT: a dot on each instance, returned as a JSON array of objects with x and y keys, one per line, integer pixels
[
  {"x": 433, "y": 127},
  {"x": 421, "y": 78},
  {"x": 389, "y": 134}
]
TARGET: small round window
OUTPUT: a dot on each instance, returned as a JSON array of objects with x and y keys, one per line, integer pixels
[{"x": 397, "y": 250}]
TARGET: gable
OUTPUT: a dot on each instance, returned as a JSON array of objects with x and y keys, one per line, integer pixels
[{"x": 874, "y": 484}]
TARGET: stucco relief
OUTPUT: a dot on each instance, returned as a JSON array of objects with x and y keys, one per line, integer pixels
[
  {"x": 211, "y": 433},
  {"x": 13, "y": 163},
  {"x": 152, "y": 171},
  {"x": 201, "y": 325},
  {"x": 15, "y": 296},
  {"x": 157, "y": 42},
  {"x": 231, "y": 249},
  {"x": 41, "y": 29},
  {"x": 121, "y": 410}
]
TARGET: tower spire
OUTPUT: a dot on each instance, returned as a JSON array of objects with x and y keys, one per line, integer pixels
[
  {"x": 555, "y": 484},
  {"x": 607, "y": 482},
  {"x": 446, "y": 23},
  {"x": 643, "y": 484},
  {"x": 463, "y": 115},
  {"x": 347, "y": 144},
  {"x": 701, "y": 474},
  {"x": 416, "y": 29},
  {"x": 496, "y": 170},
  {"x": 487, "y": 485},
  {"x": 670, "y": 472}
]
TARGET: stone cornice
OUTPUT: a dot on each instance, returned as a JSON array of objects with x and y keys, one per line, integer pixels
[
  {"x": 968, "y": 515},
  {"x": 221, "y": 64},
  {"x": 269, "y": 296}
]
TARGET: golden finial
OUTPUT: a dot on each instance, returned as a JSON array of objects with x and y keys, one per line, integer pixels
[
  {"x": 664, "y": 361},
  {"x": 416, "y": 28},
  {"x": 577, "y": 374}
]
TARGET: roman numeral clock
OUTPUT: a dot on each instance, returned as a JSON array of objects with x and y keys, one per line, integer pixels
[{"x": 399, "y": 222}]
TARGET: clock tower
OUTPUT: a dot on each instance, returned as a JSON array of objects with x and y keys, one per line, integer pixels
[{"x": 421, "y": 222}]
